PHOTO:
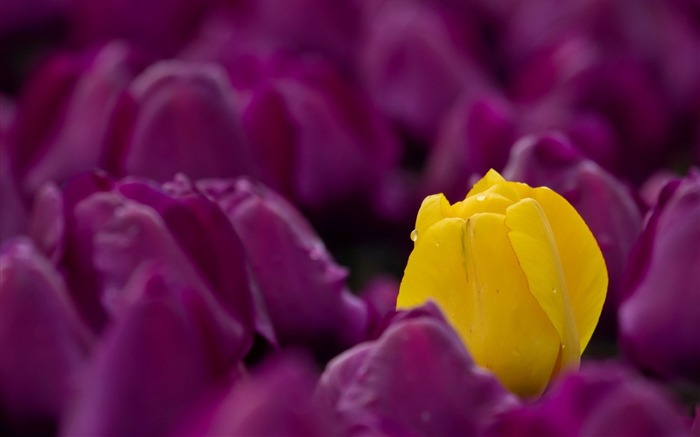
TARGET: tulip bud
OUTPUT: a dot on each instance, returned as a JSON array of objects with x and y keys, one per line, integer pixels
[
  {"x": 659, "y": 316},
  {"x": 318, "y": 140},
  {"x": 68, "y": 135},
  {"x": 43, "y": 341},
  {"x": 183, "y": 111},
  {"x": 277, "y": 399},
  {"x": 302, "y": 289},
  {"x": 416, "y": 379},
  {"x": 603, "y": 399},
  {"x": 415, "y": 63},
  {"x": 153, "y": 363},
  {"x": 517, "y": 272}
]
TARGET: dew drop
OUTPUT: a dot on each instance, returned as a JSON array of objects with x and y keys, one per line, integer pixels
[
  {"x": 414, "y": 235},
  {"x": 481, "y": 197},
  {"x": 563, "y": 346},
  {"x": 554, "y": 290}
]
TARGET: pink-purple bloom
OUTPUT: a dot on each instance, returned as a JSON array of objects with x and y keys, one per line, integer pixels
[
  {"x": 658, "y": 316},
  {"x": 205, "y": 210}
]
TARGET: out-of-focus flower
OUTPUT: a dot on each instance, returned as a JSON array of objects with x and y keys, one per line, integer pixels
[
  {"x": 186, "y": 112},
  {"x": 416, "y": 379},
  {"x": 277, "y": 399},
  {"x": 300, "y": 26},
  {"x": 302, "y": 290},
  {"x": 517, "y": 272},
  {"x": 19, "y": 16},
  {"x": 111, "y": 229},
  {"x": 64, "y": 112},
  {"x": 43, "y": 341},
  {"x": 415, "y": 62},
  {"x": 134, "y": 21},
  {"x": 600, "y": 400},
  {"x": 13, "y": 210},
  {"x": 659, "y": 316},
  {"x": 605, "y": 204},
  {"x": 474, "y": 137},
  {"x": 154, "y": 362},
  {"x": 317, "y": 138},
  {"x": 379, "y": 294}
]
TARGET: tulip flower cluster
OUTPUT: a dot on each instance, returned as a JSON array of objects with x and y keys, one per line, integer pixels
[{"x": 205, "y": 211}]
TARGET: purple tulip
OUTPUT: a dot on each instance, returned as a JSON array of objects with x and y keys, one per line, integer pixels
[
  {"x": 183, "y": 111},
  {"x": 277, "y": 399},
  {"x": 135, "y": 22},
  {"x": 154, "y": 362},
  {"x": 415, "y": 62},
  {"x": 379, "y": 294},
  {"x": 111, "y": 229},
  {"x": 317, "y": 138},
  {"x": 416, "y": 379},
  {"x": 603, "y": 399},
  {"x": 476, "y": 136},
  {"x": 43, "y": 341},
  {"x": 330, "y": 29},
  {"x": 13, "y": 210},
  {"x": 302, "y": 289},
  {"x": 605, "y": 203},
  {"x": 64, "y": 113},
  {"x": 20, "y": 16},
  {"x": 659, "y": 319}
]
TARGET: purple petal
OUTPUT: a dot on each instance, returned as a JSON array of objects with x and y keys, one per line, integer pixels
[
  {"x": 659, "y": 320},
  {"x": 415, "y": 63},
  {"x": 77, "y": 139},
  {"x": 302, "y": 289},
  {"x": 180, "y": 118},
  {"x": 154, "y": 362},
  {"x": 277, "y": 399},
  {"x": 416, "y": 379},
  {"x": 602, "y": 399},
  {"x": 44, "y": 342},
  {"x": 475, "y": 137}
]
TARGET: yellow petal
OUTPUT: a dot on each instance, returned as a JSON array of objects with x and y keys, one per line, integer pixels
[
  {"x": 582, "y": 261},
  {"x": 491, "y": 178},
  {"x": 431, "y": 211},
  {"x": 485, "y": 297},
  {"x": 434, "y": 268},
  {"x": 535, "y": 247}
]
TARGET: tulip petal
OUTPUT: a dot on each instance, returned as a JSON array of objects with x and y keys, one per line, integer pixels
[
  {"x": 435, "y": 269},
  {"x": 587, "y": 281},
  {"x": 431, "y": 211},
  {"x": 442, "y": 266},
  {"x": 533, "y": 241}
]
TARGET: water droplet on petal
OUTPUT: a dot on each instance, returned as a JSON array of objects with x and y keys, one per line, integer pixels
[
  {"x": 554, "y": 290},
  {"x": 414, "y": 235},
  {"x": 563, "y": 346},
  {"x": 481, "y": 197}
]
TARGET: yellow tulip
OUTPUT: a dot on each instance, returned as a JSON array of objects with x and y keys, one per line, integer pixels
[{"x": 518, "y": 274}]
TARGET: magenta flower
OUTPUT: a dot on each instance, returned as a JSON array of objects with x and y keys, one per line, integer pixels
[
  {"x": 302, "y": 290},
  {"x": 277, "y": 399},
  {"x": 187, "y": 112},
  {"x": 110, "y": 230},
  {"x": 43, "y": 341},
  {"x": 415, "y": 62},
  {"x": 64, "y": 112},
  {"x": 603, "y": 399},
  {"x": 416, "y": 379},
  {"x": 165, "y": 352},
  {"x": 658, "y": 318}
]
